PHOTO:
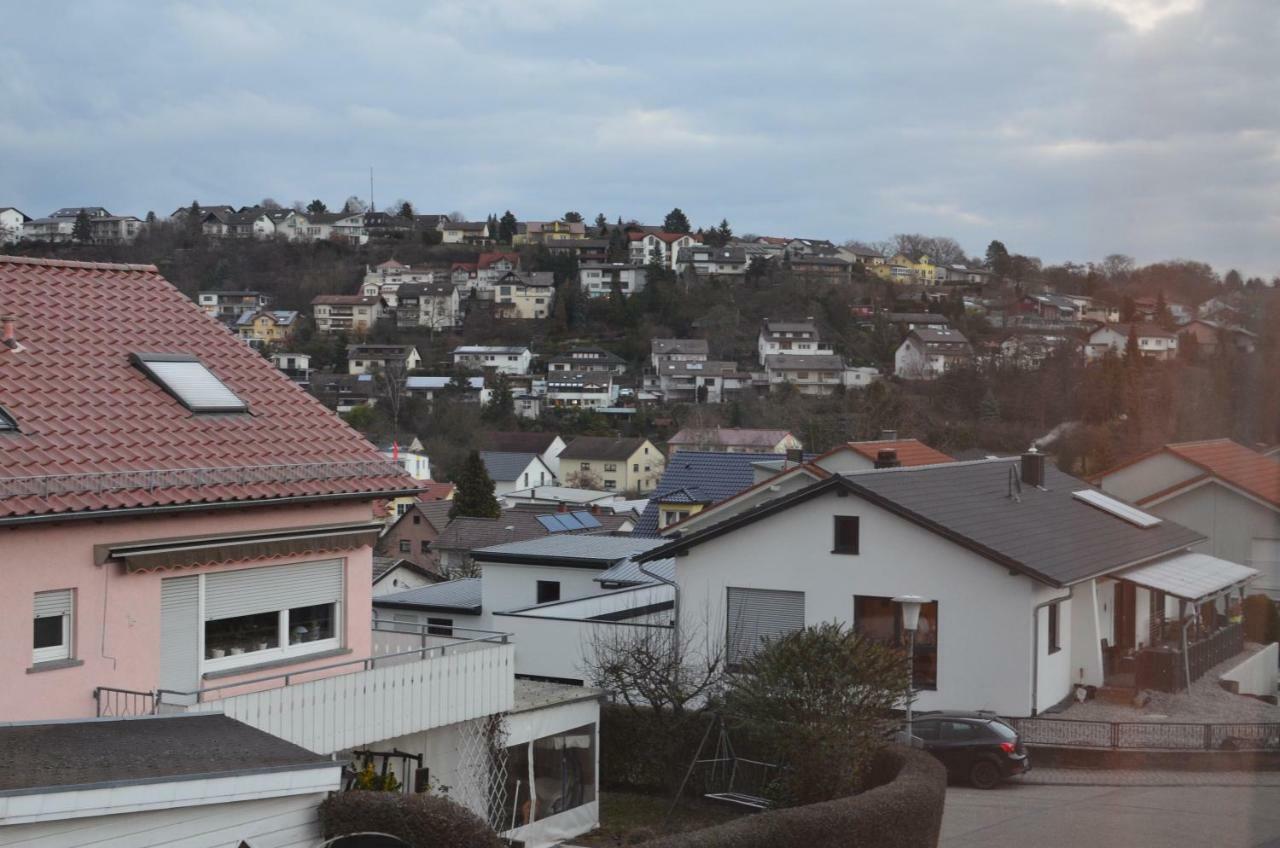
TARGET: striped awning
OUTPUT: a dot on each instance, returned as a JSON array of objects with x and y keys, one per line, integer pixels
[
  {"x": 186, "y": 552},
  {"x": 1191, "y": 576}
]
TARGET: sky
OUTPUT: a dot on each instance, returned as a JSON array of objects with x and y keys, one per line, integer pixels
[{"x": 1068, "y": 129}]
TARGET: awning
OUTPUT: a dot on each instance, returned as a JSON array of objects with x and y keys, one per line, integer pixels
[
  {"x": 1190, "y": 576},
  {"x": 184, "y": 552}
]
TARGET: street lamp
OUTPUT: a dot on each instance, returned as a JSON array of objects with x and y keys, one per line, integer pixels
[{"x": 910, "y": 621}]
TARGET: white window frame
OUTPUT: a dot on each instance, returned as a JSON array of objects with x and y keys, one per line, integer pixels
[{"x": 56, "y": 653}]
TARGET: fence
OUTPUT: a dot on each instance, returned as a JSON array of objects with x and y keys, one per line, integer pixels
[
  {"x": 1150, "y": 735},
  {"x": 1164, "y": 668},
  {"x": 123, "y": 702}
]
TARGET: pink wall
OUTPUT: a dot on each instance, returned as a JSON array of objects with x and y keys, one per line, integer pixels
[{"x": 117, "y": 615}]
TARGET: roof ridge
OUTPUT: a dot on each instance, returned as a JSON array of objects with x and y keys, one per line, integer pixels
[{"x": 72, "y": 263}]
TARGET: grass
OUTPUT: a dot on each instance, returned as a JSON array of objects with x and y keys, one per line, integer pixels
[{"x": 625, "y": 815}]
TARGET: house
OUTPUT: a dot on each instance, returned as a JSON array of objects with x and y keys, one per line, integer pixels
[
  {"x": 386, "y": 278},
  {"x": 789, "y": 338},
  {"x": 908, "y": 321},
  {"x": 526, "y": 295},
  {"x": 432, "y": 305},
  {"x": 810, "y": 247},
  {"x": 346, "y": 313},
  {"x": 1210, "y": 336},
  {"x": 251, "y": 222},
  {"x": 381, "y": 358},
  {"x": 677, "y": 350},
  {"x": 295, "y": 366},
  {"x": 704, "y": 381},
  {"x": 569, "y": 497},
  {"x": 292, "y": 225},
  {"x": 811, "y": 374},
  {"x": 412, "y": 533},
  {"x": 428, "y": 388},
  {"x": 505, "y": 360},
  {"x": 1012, "y": 619},
  {"x": 587, "y": 250},
  {"x": 392, "y": 574},
  {"x": 734, "y": 440},
  {"x": 12, "y": 222},
  {"x": 925, "y": 354},
  {"x": 387, "y": 225},
  {"x": 465, "y": 232},
  {"x": 230, "y": 306},
  {"x": 692, "y": 480},
  {"x": 242, "y": 590},
  {"x": 963, "y": 275},
  {"x": 410, "y": 457},
  {"x": 1153, "y": 341},
  {"x": 1053, "y": 307},
  {"x": 548, "y": 446},
  {"x": 659, "y": 247},
  {"x": 615, "y": 465},
  {"x": 821, "y": 267},
  {"x": 104, "y": 228},
  {"x": 864, "y": 256},
  {"x": 346, "y": 227},
  {"x": 343, "y": 392},
  {"x": 580, "y": 389},
  {"x": 545, "y": 232},
  {"x": 510, "y": 470},
  {"x": 587, "y": 359},
  {"x": 599, "y": 279},
  {"x": 267, "y": 327},
  {"x": 1030, "y": 350},
  {"x": 703, "y": 260},
  {"x": 1219, "y": 488},
  {"x": 464, "y": 535}
]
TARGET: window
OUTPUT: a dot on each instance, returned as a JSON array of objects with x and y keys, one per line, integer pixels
[
  {"x": 548, "y": 591},
  {"x": 845, "y": 536},
  {"x": 440, "y": 626},
  {"x": 406, "y": 546},
  {"x": 6, "y": 421},
  {"x": 190, "y": 382},
  {"x": 401, "y": 509},
  {"x": 610, "y": 466},
  {"x": 610, "y": 485},
  {"x": 52, "y": 630},
  {"x": 1054, "y": 633},
  {"x": 957, "y": 731},
  {"x": 417, "y": 519},
  {"x": 880, "y": 619},
  {"x": 635, "y": 466},
  {"x": 584, "y": 466},
  {"x": 561, "y": 769},
  {"x": 754, "y": 615}
]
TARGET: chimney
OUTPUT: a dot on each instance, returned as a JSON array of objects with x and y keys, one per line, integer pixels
[
  {"x": 561, "y": 506},
  {"x": 888, "y": 435},
  {"x": 795, "y": 456},
  {"x": 9, "y": 334},
  {"x": 1033, "y": 467},
  {"x": 887, "y": 458}
]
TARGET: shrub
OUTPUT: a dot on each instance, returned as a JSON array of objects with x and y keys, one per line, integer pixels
[
  {"x": 1261, "y": 619},
  {"x": 423, "y": 821}
]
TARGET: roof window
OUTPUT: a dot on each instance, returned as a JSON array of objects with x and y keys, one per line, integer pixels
[
  {"x": 190, "y": 382},
  {"x": 1119, "y": 509},
  {"x": 7, "y": 422}
]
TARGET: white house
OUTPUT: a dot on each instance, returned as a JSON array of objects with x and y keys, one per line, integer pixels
[
  {"x": 811, "y": 374},
  {"x": 346, "y": 312},
  {"x": 597, "y": 279},
  {"x": 507, "y": 360},
  {"x": 582, "y": 389},
  {"x": 926, "y": 353},
  {"x": 1154, "y": 342},
  {"x": 788, "y": 338},
  {"x": 510, "y": 471},
  {"x": 417, "y": 463},
  {"x": 678, "y": 350},
  {"x": 646, "y": 247},
  {"x": 371, "y": 358},
  {"x": 392, "y": 575},
  {"x": 433, "y": 305},
  {"x": 11, "y": 223},
  {"x": 707, "y": 261},
  {"x": 429, "y": 387},
  {"x": 1014, "y": 618}
]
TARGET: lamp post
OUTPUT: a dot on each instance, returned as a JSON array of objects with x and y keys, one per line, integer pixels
[{"x": 910, "y": 621}]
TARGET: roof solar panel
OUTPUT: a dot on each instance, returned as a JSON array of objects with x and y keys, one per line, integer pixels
[
  {"x": 550, "y": 522},
  {"x": 587, "y": 520},
  {"x": 570, "y": 521},
  {"x": 1119, "y": 509}
]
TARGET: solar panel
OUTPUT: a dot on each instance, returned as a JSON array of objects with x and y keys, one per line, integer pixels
[
  {"x": 587, "y": 520},
  {"x": 187, "y": 379},
  {"x": 1117, "y": 508},
  {"x": 570, "y": 521},
  {"x": 551, "y": 523}
]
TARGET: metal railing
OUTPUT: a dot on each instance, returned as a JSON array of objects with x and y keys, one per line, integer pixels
[
  {"x": 46, "y": 485},
  {"x": 1150, "y": 735},
  {"x": 114, "y": 702}
]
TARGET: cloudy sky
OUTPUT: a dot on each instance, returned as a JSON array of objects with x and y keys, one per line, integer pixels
[{"x": 1069, "y": 129}]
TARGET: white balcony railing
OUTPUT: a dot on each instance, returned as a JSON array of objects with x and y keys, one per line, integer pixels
[{"x": 429, "y": 682}]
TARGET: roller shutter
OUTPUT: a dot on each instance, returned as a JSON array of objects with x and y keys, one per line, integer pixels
[
  {"x": 179, "y": 634},
  {"x": 254, "y": 590},
  {"x": 53, "y": 604},
  {"x": 756, "y": 614}
]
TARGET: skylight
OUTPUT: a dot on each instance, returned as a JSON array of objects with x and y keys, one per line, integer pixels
[
  {"x": 1117, "y": 508},
  {"x": 190, "y": 382},
  {"x": 7, "y": 422}
]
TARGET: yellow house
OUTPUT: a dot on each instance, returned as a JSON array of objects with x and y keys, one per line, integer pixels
[
  {"x": 541, "y": 232},
  {"x": 524, "y": 294},
  {"x": 901, "y": 268},
  {"x": 615, "y": 465},
  {"x": 266, "y": 327}
]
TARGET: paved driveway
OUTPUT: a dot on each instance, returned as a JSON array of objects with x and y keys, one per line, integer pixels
[{"x": 1041, "y": 816}]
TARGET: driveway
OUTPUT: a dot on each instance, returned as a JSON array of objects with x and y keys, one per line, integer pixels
[{"x": 1046, "y": 816}]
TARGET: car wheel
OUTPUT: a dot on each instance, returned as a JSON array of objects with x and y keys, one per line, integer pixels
[{"x": 985, "y": 775}]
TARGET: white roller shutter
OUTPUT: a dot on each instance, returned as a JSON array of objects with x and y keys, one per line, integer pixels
[
  {"x": 1264, "y": 555},
  {"x": 254, "y": 590},
  {"x": 179, "y": 634},
  {"x": 756, "y": 614},
  {"x": 53, "y": 604}
]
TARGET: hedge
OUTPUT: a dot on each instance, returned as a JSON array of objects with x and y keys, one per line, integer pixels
[
  {"x": 640, "y": 753},
  {"x": 423, "y": 821},
  {"x": 903, "y": 810}
]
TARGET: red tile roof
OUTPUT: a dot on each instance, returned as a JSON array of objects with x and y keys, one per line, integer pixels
[
  {"x": 434, "y": 491},
  {"x": 910, "y": 451},
  {"x": 666, "y": 237},
  {"x": 83, "y": 409},
  {"x": 1233, "y": 463},
  {"x": 487, "y": 259}
]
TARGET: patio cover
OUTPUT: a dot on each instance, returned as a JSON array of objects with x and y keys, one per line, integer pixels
[{"x": 1190, "y": 576}]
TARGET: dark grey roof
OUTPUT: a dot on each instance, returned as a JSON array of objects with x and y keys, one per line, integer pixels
[
  {"x": 508, "y": 440},
  {"x": 436, "y": 512},
  {"x": 944, "y": 341},
  {"x": 462, "y": 595},
  {"x": 602, "y": 447},
  {"x": 775, "y": 327},
  {"x": 468, "y": 534},
  {"x": 700, "y": 477},
  {"x": 383, "y": 565},
  {"x": 803, "y": 362},
  {"x": 66, "y": 754},
  {"x": 685, "y": 346},
  {"x": 504, "y": 466},
  {"x": 918, "y": 318},
  {"x": 1045, "y": 533},
  {"x": 628, "y": 571},
  {"x": 603, "y": 551}
]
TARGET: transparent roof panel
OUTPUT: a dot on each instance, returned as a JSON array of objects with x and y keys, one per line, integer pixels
[
  {"x": 1117, "y": 508},
  {"x": 7, "y": 421},
  {"x": 190, "y": 382}
]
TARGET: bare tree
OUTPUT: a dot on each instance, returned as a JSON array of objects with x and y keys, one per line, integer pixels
[
  {"x": 354, "y": 204},
  {"x": 270, "y": 203},
  {"x": 582, "y": 480},
  {"x": 390, "y": 378},
  {"x": 457, "y": 217}
]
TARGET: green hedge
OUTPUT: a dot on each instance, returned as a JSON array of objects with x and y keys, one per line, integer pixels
[
  {"x": 639, "y": 753},
  {"x": 423, "y": 821},
  {"x": 903, "y": 810}
]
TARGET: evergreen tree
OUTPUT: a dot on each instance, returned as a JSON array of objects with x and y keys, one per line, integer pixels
[
  {"x": 573, "y": 217},
  {"x": 317, "y": 207},
  {"x": 676, "y": 222},
  {"x": 500, "y": 411},
  {"x": 493, "y": 227},
  {"x": 474, "y": 491},
  {"x": 1132, "y": 355},
  {"x": 1163, "y": 316},
  {"x": 998, "y": 258},
  {"x": 1127, "y": 310},
  {"x": 723, "y": 232},
  {"x": 989, "y": 409},
  {"x": 82, "y": 229},
  {"x": 151, "y": 218},
  {"x": 602, "y": 224},
  {"x": 406, "y": 210},
  {"x": 507, "y": 227}
]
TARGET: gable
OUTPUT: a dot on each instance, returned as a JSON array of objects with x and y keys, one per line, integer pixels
[{"x": 1146, "y": 477}]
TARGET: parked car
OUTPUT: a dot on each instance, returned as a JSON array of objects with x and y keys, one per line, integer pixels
[{"x": 977, "y": 747}]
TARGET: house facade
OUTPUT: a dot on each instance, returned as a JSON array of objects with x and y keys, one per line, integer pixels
[
  {"x": 925, "y": 354},
  {"x": 374, "y": 358},
  {"x": 526, "y": 295},
  {"x": 432, "y": 305},
  {"x": 790, "y": 338},
  {"x": 230, "y": 306},
  {"x": 615, "y": 465},
  {"x": 267, "y": 327},
  {"x": 335, "y": 313},
  {"x": 660, "y": 247},
  {"x": 12, "y": 222},
  {"x": 1153, "y": 341},
  {"x": 599, "y": 279},
  {"x": 734, "y": 440},
  {"x": 507, "y": 360}
]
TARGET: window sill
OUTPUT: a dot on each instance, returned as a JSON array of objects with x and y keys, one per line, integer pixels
[
  {"x": 269, "y": 664},
  {"x": 53, "y": 665},
  {"x": 844, "y": 552}
]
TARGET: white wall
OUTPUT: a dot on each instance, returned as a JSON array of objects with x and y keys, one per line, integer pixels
[
  {"x": 1230, "y": 520},
  {"x": 1256, "y": 675},
  {"x": 984, "y": 615},
  {"x": 1153, "y": 474},
  {"x": 509, "y": 587},
  {"x": 1053, "y": 671},
  {"x": 269, "y": 823}
]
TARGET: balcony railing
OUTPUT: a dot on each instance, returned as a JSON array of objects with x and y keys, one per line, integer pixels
[{"x": 47, "y": 485}]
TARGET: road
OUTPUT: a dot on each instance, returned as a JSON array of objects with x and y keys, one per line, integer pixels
[{"x": 1178, "y": 816}]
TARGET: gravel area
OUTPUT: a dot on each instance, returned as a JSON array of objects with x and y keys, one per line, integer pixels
[{"x": 1206, "y": 702}]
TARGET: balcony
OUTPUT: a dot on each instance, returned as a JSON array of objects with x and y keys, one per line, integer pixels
[{"x": 414, "y": 681}]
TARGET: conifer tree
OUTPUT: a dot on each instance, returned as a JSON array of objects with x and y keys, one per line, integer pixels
[{"x": 474, "y": 491}]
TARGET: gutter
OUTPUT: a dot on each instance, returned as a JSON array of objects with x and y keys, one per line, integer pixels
[{"x": 1035, "y": 645}]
